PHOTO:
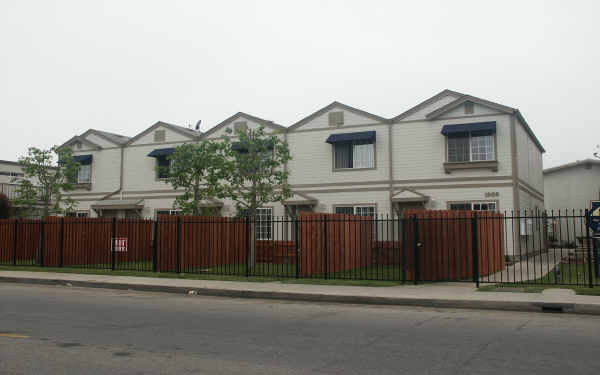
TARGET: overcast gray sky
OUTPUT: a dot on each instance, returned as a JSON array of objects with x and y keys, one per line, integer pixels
[{"x": 120, "y": 66}]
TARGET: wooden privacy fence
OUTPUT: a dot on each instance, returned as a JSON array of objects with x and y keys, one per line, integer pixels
[
  {"x": 333, "y": 243},
  {"x": 191, "y": 244},
  {"x": 445, "y": 244}
]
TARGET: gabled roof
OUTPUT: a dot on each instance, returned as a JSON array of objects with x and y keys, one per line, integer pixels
[
  {"x": 117, "y": 139},
  {"x": 192, "y": 134},
  {"x": 472, "y": 99},
  {"x": 409, "y": 195},
  {"x": 338, "y": 105},
  {"x": 266, "y": 123},
  {"x": 82, "y": 140},
  {"x": 427, "y": 102},
  {"x": 588, "y": 163},
  {"x": 499, "y": 107},
  {"x": 298, "y": 198}
]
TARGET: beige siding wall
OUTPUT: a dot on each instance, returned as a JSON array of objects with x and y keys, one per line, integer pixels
[
  {"x": 99, "y": 141},
  {"x": 7, "y": 167},
  {"x": 170, "y": 136},
  {"x": 312, "y": 158},
  {"x": 419, "y": 149},
  {"x": 478, "y": 110},
  {"x": 106, "y": 167},
  {"x": 529, "y": 159}
]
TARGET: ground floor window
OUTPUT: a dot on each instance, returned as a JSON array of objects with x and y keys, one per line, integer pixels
[
  {"x": 474, "y": 206},
  {"x": 78, "y": 214},
  {"x": 264, "y": 223},
  {"x": 360, "y": 210},
  {"x": 168, "y": 212}
]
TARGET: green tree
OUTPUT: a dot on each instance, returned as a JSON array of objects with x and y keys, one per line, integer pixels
[
  {"x": 45, "y": 183},
  {"x": 197, "y": 169},
  {"x": 254, "y": 172}
]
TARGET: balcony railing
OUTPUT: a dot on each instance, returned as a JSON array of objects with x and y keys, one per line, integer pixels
[{"x": 10, "y": 190}]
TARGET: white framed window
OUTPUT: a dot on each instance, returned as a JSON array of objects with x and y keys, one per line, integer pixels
[
  {"x": 360, "y": 210},
  {"x": 470, "y": 147},
  {"x": 168, "y": 212},
  {"x": 355, "y": 154},
  {"x": 264, "y": 223},
  {"x": 80, "y": 214},
  {"x": 474, "y": 206},
  {"x": 84, "y": 174}
]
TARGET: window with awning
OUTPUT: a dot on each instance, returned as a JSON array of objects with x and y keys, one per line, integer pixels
[
  {"x": 84, "y": 174},
  {"x": 353, "y": 150},
  {"x": 470, "y": 142},
  {"x": 162, "y": 163}
]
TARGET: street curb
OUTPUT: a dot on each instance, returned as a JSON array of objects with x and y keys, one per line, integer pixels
[{"x": 573, "y": 308}]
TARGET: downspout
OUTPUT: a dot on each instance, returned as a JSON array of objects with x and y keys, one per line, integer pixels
[
  {"x": 120, "y": 190},
  {"x": 391, "y": 170}
]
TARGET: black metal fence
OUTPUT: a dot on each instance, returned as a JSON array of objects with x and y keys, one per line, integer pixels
[{"x": 529, "y": 247}]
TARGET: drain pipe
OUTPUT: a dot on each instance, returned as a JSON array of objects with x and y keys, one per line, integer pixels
[{"x": 120, "y": 190}]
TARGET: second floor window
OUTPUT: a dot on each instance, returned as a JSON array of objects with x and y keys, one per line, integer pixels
[
  {"x": 470, "y": 147},
  {"x": 162, "y": 167},
  {"x": 354, "y": 154},
  {"x": 84, "y": 174}
]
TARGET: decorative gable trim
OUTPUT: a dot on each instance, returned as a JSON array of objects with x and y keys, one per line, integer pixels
[
  {"x": 409, "y": 195},
  {"x": 468, "y": 98},
  {"x": 231, "y": 119},
  {"x": 101, "y": 135},
  {"x": 82, "y": 140},
  {"x": 427, "y": 102},
  {"x": 174, "y": 128},
  {"x": 341, "y": 106}
]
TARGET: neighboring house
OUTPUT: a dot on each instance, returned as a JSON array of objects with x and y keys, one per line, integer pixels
[
  {"x": 9, "y": 170},
  {"x": 452, "y": 151},
  {"x": 571, "y": 187}
]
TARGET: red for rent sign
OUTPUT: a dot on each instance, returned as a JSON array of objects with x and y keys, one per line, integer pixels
[{"x": 120, "y": 244}]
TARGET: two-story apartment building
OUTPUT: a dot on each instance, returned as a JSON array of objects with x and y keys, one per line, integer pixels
[{"x": 452, "y": 151}]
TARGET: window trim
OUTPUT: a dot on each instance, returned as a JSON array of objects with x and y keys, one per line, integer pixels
[
  {"x": 450, "y": 166},
  {"x": 354, "y": 205},
  {"x": 334, "y": 169},
  {"x": 271, "y": 208},
  {"x": 471, "y": 202}
]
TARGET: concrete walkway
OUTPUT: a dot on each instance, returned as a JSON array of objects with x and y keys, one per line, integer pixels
[
  {"x": 446, "y": 295},
  {"x": 533, "y": 268}
]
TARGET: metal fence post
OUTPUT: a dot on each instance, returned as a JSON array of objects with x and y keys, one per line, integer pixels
[
  {"x": 402, "y": 229},
  {"x": 155, "y": 247},
  {"x": 247, "y": 245},
  {"x": 62, "y": 242},
  {"x": 297, "y": 234},
  {"x": 42, "y": 242},
  {"x": 326, "y": 265},
  {"x": 112, "y": 241},
  {"x": 589, "y": 248},
  {"x": 416, "y": 246},
  {"x": 15, "y": 242},
  {"x": 178, "y": 244},
  {"x": 475, "y": 247}
]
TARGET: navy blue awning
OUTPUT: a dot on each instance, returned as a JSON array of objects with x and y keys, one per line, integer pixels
[
  {"x": 347, "y": 137},
  {"x": 161, "y": 152},
  {"x": 83, "y": 159},
  {"x": 480, "y": 128}
]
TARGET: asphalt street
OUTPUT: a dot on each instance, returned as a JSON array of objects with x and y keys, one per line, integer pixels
[{"x": 66, "y": 330}]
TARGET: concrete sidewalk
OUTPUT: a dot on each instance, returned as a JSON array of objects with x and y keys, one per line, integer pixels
[{"x": 443, "y": 295}]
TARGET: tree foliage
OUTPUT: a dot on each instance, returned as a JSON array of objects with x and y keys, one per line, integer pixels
[
  {"x": 254, "y": 169},
  {"x": 197, "y": 169},
  {"x": 45, "y": 182}
]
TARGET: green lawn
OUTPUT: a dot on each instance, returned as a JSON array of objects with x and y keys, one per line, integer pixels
[
  {"x": 575, "y": 274},
  {"x": 263, "y": 272}
]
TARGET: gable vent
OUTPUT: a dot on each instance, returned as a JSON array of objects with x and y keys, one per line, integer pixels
[
  {"x": 160, "y": 136},
  {"x": 336, "y": 118}
]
